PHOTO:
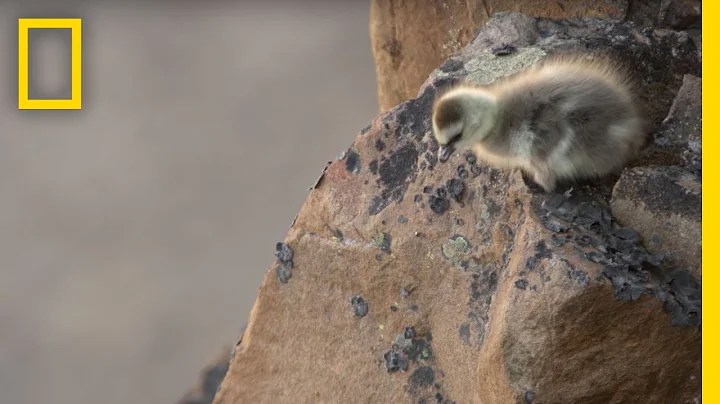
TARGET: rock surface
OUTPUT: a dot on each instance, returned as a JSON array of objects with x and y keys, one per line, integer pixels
[
  {"x": 410, "y": 39},
  {"x": 664, "y": 204},
  {"x": 418, "y": 282},
  {"x": 679, "y": 140}
]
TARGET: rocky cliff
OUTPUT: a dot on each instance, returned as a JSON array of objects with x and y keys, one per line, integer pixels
[{"x": 406, "y": 280}]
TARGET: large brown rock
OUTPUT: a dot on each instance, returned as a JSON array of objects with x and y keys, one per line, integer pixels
[
  {"x": 403, "y": 280},
  {"x": 410, "y": 38}
]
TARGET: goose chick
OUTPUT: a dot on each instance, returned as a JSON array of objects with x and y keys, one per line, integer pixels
[{"x": 568, "y": 117}]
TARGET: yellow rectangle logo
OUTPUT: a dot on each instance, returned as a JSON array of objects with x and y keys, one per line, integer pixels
[{"x": 75, "y": 26}]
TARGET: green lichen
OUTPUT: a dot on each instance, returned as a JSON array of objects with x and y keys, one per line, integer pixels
[
  {"x": 456, "y": 248},
  {"x": 487, "y": 67}
]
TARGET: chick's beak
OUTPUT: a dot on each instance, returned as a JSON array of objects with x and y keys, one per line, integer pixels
[{"x": 444, "y": 152}]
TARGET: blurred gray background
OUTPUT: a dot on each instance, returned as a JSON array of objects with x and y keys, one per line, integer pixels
[{"x": 134, "y": 233}]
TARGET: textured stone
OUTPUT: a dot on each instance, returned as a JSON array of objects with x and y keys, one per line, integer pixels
[
  {"x": 680, "y": 14},
  {"x": 664, "y": 204},
  {"x": 513, "y": 296},
  {"x": 673, "y": 14},
  {"x": 679, "y": 139}
]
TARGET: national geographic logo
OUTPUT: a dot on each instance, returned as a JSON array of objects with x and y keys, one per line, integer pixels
[{"x": 74, "y": 99}]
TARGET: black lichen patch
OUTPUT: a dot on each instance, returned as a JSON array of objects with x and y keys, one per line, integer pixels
[
  {"x": 452, "y": 65},
  {"x": 471, "y": 264},
  {"x": 377, "y": 204},
  {"x": 373, "y": 166},
  {"x": 408, "y": 348},
  {"x": 284, "y": 253},
  {"x": 462, "y": 172},
  {"x": 423, "y": 376},
  {"x": 435, "y": 399},
  {"x": 580, "y": 277},
  {"x": 556, "y": 226},
  {"x": 483, "y": 286},
  {"x": 365, "y": 129},
  {"x": 482, "y": 289},
  {"x": 439, "y": 205},
  {"x": 521, "y": 284},
  {"x": 455, "y": 188},
  {"x": 379, "y": 145},
  {"x": 441, "y": 192},
  {"x": 593, "y": 214},
  {"x": 541, "y": 252},
  {"x": 627, "y": 234},
  {"x": 283, "y": 273},
  {"x": 596, "y": 257},
  {"x": 631, "y": 269},
  {"x": 395, "y": 361},
  {"x": 352, "y": 161},
  {"x": 413, "y": 115},
  {"x": 431, "y": 159},
  {"x": 504, "y": 50},
  {"x": 418, "y": 349},
  {"x": 558, "y": 241},
  {"x": 470, "y": 157},
  {"x": 464, "y": 332},
  {"x": 359, "y": 306},
  {"x": 396, "y": 171},
  {"x": 383, "y": 241}
]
